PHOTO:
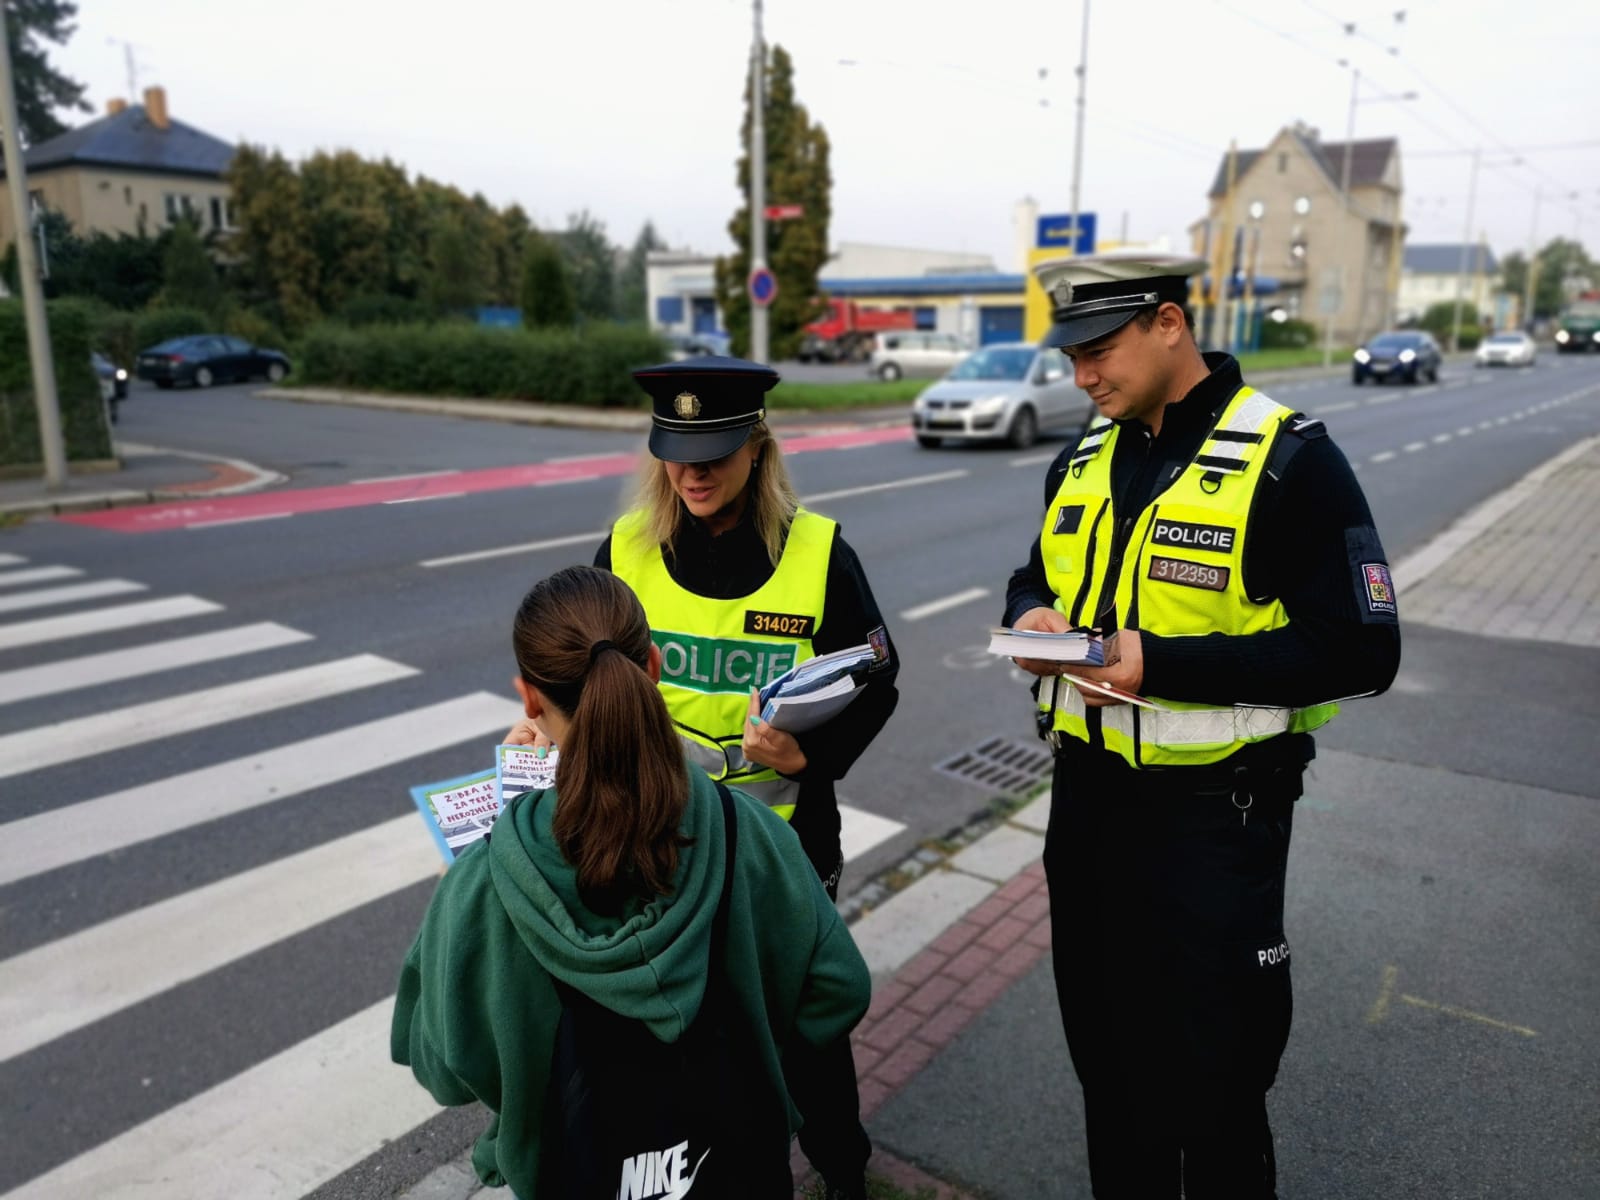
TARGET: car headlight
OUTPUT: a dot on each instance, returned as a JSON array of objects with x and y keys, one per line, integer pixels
[
  {"x": 1363, "y": 357},
  {"x": 1563, "y": 336},
  {"x": 1596, "y": 335},
  {"x": 121, "y": 373},
  {"x": 988, "y": 406},
  {"x": 1408, "y": 356}
]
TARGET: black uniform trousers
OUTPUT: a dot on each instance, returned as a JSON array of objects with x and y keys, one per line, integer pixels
[
  {"x": 822, "y": 1080},
  {"x": 1166, "y": 912}
]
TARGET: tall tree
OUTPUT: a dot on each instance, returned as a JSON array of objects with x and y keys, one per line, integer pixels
[
  {"x": 275, "y": 263},
  {"x": 188, "y": 278},
  {"x": 41, "y": 89},
  {"x": 632, "y": 294},
  {"x": 591, "y": 264},
  {"x": 547, "y": 300},
  {"x": 458, "y": 268},
  {"x": 797, "y": 173}
]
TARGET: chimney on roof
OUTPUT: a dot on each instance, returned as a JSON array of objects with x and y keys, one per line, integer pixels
[
  {"x": 115, "y": 105},
  {"x": 155, "y": 107}
]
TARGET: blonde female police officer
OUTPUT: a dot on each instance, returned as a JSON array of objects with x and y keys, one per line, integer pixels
[
  {"x": 1227, "y": 540},
  {"x": 740, "y": 583}
]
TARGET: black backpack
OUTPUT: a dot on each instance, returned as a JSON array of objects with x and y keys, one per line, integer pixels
[{"x": 632, "y": 1118}]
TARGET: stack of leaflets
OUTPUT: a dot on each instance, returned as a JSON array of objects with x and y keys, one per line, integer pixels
[
  {"x": 1074, "y": 646},
  {"x": 460, "y": 811},
  {"x": 806, "y": 695}
]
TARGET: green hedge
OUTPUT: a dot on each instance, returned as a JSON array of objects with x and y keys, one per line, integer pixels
[
  {"x": 156, "y": 325},
  {"x": 83, "y": 417},
  {"x": 448, "y": 359}
]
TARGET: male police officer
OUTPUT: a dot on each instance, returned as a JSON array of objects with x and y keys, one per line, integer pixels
[{"x": 1225, "y": 540}]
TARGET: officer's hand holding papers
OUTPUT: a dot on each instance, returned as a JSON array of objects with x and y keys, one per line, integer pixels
[
  {"x": 1113, "y": 679},
  {"x": 808, "y": 694}
]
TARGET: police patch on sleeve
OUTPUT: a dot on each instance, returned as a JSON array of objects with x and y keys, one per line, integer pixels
[
  {"x": 878, "y": 639},
  {"x": 1375, "y": 595}
]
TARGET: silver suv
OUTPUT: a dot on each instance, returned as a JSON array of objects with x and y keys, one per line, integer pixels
[{"x": 914, "y": 352}]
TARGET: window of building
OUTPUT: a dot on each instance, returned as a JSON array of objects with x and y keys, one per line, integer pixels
[
  {"x": 127, "y": 194},
  {"x": 1283, "y": 164},
  {"x": 179, "y": 205},
  {"x": 216, "y": 213}
]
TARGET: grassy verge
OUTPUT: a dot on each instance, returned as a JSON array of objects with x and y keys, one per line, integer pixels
[
  {"x": 1277, "y": 360},
  {"x": 864, "y": 393}
]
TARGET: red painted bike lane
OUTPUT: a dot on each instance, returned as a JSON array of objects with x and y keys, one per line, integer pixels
[{"x": 261, "y": 506}]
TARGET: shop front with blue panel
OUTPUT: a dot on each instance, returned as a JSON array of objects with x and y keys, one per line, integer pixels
[{"x": 999, "y": 323}]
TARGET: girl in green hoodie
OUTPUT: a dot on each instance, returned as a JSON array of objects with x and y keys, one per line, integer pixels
[{"x": 609, "y": 882}]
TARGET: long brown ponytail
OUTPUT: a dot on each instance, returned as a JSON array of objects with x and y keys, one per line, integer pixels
[{"x": 581, "y": 638}]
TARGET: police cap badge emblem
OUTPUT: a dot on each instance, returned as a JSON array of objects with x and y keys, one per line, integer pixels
[{"x": 686, "y": 405}]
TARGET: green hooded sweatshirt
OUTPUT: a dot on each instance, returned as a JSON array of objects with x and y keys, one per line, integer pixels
[{"x": 476, "y": 1013}]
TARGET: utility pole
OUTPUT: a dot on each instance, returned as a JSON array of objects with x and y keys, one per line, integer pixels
[
  {"x": 758, "y": 186},
  {"x": 1077, "y": 149},
  {"x": 1341, "y": 239},
  {"x": 1532, "y": 271},
  {"x": 1220, "y": 251},
  {"x": 51, "y": 448},
  {"x": 1461, "y": 266}
]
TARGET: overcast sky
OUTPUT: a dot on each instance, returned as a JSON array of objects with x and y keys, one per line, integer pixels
[{"x": 631, "y": 108}]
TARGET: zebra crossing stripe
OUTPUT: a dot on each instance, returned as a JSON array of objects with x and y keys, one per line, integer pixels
[
  {"x": 37, "y": 575},
  {"x": 860, "y": 831},
  {"x": 33, "y": 845},
  {"x": 64, "y": 985},
  {"x": 67, "y": 675},
  {"x": 102, "y": 620},
  {"x": 11, "y": 560},
  {"x": 70, "y": 594},
  {"x": 34, "y": 749},
  {"x": 282, "y": 1128}
]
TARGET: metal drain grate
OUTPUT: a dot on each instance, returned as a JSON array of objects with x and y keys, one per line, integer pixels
[{"x": 1001, "y": 765}]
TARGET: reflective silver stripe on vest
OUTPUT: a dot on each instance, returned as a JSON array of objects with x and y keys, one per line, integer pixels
[
  {"x": 1185, "y": 727},
  {"x": 1248, "y": 419},
  {"x": 774, "y": 793}
]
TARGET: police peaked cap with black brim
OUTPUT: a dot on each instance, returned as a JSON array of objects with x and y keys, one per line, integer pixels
[
  {"x": 704, "y": 408},
  {"x": 1096, "y": 295}
]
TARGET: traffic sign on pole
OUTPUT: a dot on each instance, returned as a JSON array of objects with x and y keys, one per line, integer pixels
[
  {"x": 784, "y": 212},
  {"x": 763, "y": 287}
]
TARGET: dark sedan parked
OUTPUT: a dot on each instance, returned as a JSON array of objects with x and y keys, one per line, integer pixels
[
  {"x": 207, "y": 358},
  {"x": 1407, "y": 357}
]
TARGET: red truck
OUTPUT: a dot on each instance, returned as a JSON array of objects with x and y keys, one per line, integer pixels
[{"x": 844, "y": 334}]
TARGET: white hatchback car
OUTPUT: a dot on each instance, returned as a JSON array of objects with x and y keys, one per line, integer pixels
[
  {"x": 1011, "y": 391},
  {"x": 913, "y": 353},
  {"x": 1514, "y": 349}
]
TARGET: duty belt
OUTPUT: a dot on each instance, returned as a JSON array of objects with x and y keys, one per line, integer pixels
[{"x": 1180, "y": 727}]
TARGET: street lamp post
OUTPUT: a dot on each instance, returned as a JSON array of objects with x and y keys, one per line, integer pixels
[
  {"x": 44, "y": 371},
  {"x": 1077, "y": 147},
  {"x": 759, "y": 341}
]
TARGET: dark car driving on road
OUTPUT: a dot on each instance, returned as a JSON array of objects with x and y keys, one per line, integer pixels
[
  {"x": 207, "y": 358},
  {"x": 1403, "y": 355}
]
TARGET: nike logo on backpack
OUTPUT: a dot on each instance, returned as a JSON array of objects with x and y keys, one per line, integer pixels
[{"x": 658, "y": 1174}]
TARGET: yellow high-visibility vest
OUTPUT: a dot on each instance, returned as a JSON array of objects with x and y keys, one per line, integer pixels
[
  {"x": 1182, "y": 573},
  {"x": 714, "y": 651}
]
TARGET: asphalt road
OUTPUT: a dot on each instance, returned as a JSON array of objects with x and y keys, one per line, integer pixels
[{"x": 188, "y": 827}]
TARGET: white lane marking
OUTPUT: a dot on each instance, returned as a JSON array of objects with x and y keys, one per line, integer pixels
[
  {"x": 11, "y": 560},
  {"x": 917, "y": 612},
  {"x": 29, "y": 683},
  {"x": 1341, "y": 406},
  {"x": 33, "y": 845},
  {"x": 238, "y": 520},
  {"x": 1033, "y": 460},
  {"x": 1502, "y": 420},
  {"x": 1421, "y": 563},
  {"x": 37, "y": 575},
  {"x": 1465, "y": 431},
  {"x": 1382, "y": 456},
  {"x": 888, "y": 486},
  {"x": 523, "y": 548},
  {"x": 1413, "y": 447},
  {"x": 34, "y": 749},
  {"x": 421, "y": 499},
  {"x": 412, "y": 475},
  {"x": 1485, "y": 424},
  {"x": 123, "y": 616},
  {"x": 1440, "y": 438},
  {"x": 64, "y": 985},
  {"x": 860, "y": 831},
  {"x": 1384, "y": 398},
  {"x": 566, "y": 479},
  {"x": 282, "y": 1128},
  {"x": 1423, "y": 391},
  {"x": 69, "y": 594}
]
